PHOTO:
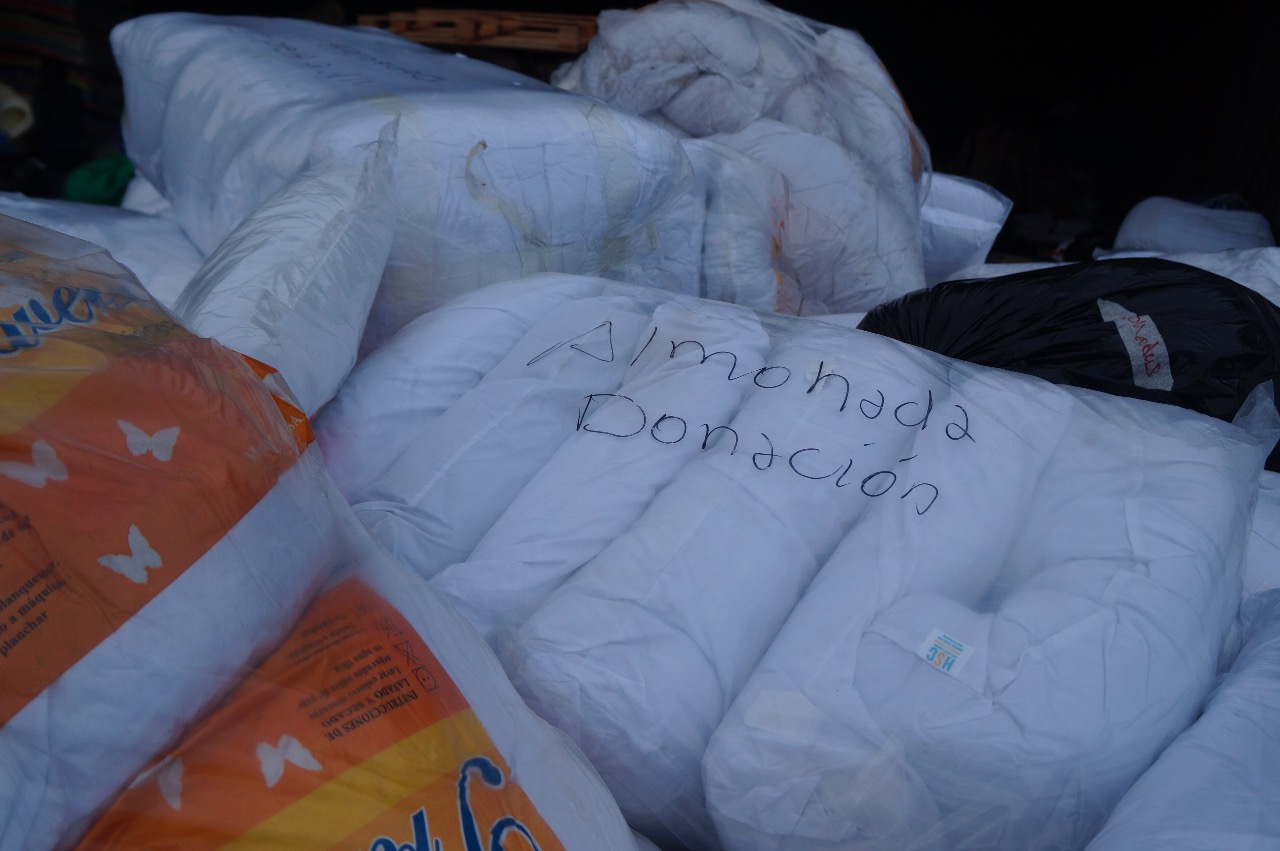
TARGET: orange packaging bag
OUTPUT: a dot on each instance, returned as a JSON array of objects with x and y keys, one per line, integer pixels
[
  {"x": 378, "y": 726},
  {"x": 162, "y": 524}
]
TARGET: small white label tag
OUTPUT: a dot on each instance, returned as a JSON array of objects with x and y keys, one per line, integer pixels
[
  {"x": 944, "y": 652},
  {"x": 1148, "y": 355}
]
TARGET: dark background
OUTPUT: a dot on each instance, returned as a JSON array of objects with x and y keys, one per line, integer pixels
[{"x": 1074, "y": 111}]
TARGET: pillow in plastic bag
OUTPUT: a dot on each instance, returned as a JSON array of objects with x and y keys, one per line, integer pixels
[
  {"x": 1150, "y": 328},
  {"x": 293, "y": 283},
  {"x": 643, "y": 485},
  {"x": 498, "y": 175},
  {"x": 147, "y": 477}
]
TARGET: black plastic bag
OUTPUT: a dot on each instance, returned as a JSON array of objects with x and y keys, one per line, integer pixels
[{"x": 1147, "y": 328}]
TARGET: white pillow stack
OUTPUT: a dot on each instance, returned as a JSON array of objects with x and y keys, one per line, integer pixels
[{"x": 498, "y": 176}]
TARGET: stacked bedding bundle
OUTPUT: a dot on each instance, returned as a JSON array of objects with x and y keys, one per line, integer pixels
[
  {"x": 808, "y": 101},
  {"x": 498, "y": 175},
  {"x": 983, "y": 567}
]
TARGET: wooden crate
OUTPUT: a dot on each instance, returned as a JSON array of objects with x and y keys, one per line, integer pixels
[{"x": 473, "y": 28}]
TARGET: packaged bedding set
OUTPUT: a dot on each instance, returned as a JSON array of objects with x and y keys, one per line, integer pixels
[{"x": 794, "y": 585}]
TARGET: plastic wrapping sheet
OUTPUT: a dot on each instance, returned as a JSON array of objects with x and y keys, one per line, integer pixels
[
  {"x": 643, "y": 539},
  {"x": 809, "y": 100},
  {"x": 153, "y": 247},
  {"x": 145, "y": 477},
  {"x": 381, "y": 721},
  {"x": 292, "y": 285},
  {"x": 499, "y": 176},
  {"x": 1216, "y": 786}
]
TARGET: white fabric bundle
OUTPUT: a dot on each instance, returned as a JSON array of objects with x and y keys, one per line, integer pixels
[
  {"x": 1216, "y": 786},
  {"x": 148, "y": 480},
  {"x": 498, "y": 176},
  {"x": 154, "y": 248},
  {"x": 633, "y": 563},
  {"x": 1003, "y": 690},
  {"x": 1168, "y": 225},
  {"x": 574, "y": 506},
  {"x": 809, "y": 100},
  {"x": 398, "y": 392},
  {"x": 293, "y": 283},
  {"x": 436, "y": 501}
]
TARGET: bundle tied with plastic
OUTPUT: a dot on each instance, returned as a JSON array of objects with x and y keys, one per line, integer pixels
[
  {"x": 498, "y": 175},
  {"x": 808, "y": 101},
  {"x": 628, "y": 492},
  {"x": 382, "y": 721},
  {"x": 146, "y": 475}
]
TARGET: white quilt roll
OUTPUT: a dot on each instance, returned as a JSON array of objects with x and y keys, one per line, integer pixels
[
  {"x": 745, "y": 239},
  {"x": 1003, "y": 696},
  {"x": 855, "y": 241},
  {"x": 809, "y": 100},
  {"x": 499, "y": 176},
  {"x": 1216, "y": 785}
]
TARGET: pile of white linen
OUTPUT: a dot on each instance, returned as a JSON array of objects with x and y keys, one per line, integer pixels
[{"x": 629, "y": 492}]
